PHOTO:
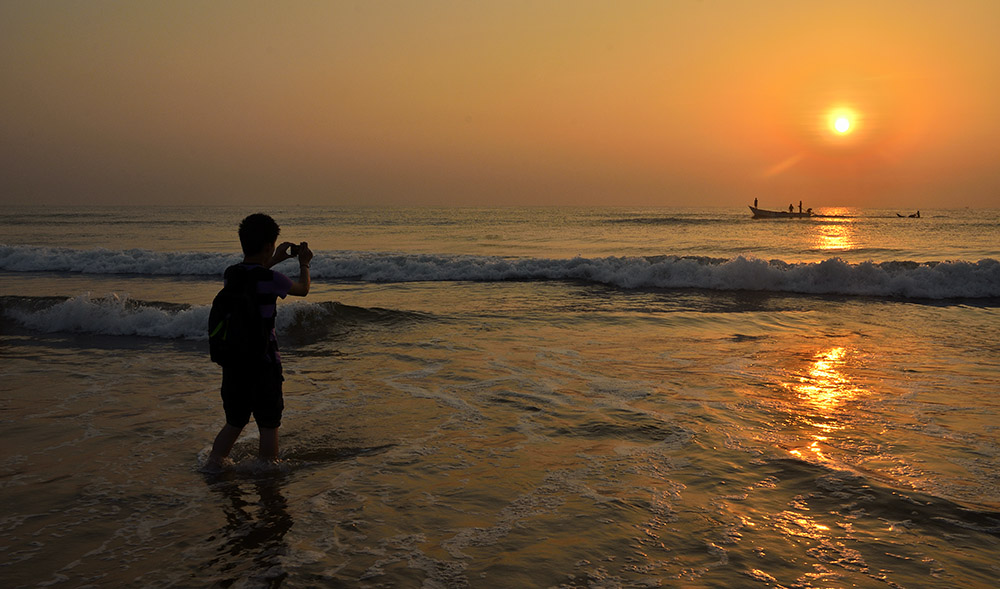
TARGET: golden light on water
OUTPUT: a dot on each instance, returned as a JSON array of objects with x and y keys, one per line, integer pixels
[
  {"x": 823, "y": 390},
  {"x": 825, "y": 385},
  {"x": 834, "y": 236}
]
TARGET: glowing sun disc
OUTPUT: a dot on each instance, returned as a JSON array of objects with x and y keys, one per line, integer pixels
[{"x": 842, "y": 125}]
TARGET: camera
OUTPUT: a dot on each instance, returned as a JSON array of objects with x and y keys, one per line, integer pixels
[{"x": 293, "y": 251}]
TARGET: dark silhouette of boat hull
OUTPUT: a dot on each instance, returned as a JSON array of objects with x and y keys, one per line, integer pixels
[{"x": 766, "y": 214}]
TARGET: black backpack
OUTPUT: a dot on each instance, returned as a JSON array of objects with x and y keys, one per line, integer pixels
[{"x": 237, "y": 334}]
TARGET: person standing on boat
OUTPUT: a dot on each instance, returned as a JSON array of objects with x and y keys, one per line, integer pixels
[
  {"x": 791, "y": 209},
  {"x": 755, "y": 203},
  {"x": 800, "y": 206}
]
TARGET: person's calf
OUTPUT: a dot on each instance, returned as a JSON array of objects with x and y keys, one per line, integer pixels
[{"x": 268, "y": 449}]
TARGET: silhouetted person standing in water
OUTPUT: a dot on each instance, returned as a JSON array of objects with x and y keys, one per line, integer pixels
[{"x": 252, "y": 385}]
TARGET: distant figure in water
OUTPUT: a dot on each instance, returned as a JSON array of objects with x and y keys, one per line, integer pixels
[
  {"x": 791, "y": 209},
  {"x": 251, "y": 385}
]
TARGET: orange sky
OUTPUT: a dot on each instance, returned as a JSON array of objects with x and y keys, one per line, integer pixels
[{"x": 684, "y": 102}]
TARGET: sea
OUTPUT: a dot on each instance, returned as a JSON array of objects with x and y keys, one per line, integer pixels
[{"x": 509, "y": 397}]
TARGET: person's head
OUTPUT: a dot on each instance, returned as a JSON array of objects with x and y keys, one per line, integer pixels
[{"x": 258, "y": 231}]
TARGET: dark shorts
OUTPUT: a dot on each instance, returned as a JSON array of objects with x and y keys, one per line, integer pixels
[{"x": 253, "y": 390}]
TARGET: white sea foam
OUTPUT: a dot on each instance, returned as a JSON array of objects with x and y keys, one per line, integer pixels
[
  {"x": 942, "y": 280},
  {"x": 114, "y": 314},
  {"x": 936, "y": 280},
  {"x": 105, "y": 261}
]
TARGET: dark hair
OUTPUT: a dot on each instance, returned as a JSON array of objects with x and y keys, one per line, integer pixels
[{"x": 256, "y": 231}]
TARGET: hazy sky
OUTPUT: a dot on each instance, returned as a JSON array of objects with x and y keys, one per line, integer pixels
[{"x": 668, "y": 102}]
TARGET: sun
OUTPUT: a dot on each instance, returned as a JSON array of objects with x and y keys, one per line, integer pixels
[{"x": 841, "y": 121}]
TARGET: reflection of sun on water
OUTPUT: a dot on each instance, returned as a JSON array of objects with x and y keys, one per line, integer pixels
[
  {"x": 823, "y": 393},
  {"x": 824, "y": 386},
  {"x": 824, "y": 389},
  {"x": 834, "y": 236}
]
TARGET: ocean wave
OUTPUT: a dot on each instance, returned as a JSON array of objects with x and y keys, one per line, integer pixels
[
  {"x": 105, "y": 261},
  {"x": 933, "y": 280},
  {"x": 120, "y": 315},
  {"x": 838, "y": 485},
  {"x": 905, "y": 279}
]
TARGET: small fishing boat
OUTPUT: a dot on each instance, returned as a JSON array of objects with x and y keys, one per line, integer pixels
[{"x": 766, "y": 214}]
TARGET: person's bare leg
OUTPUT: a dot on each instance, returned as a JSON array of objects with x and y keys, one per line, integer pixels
[
  {"x": 223, "y": 445},
  {"x": 268, "y": 443}
]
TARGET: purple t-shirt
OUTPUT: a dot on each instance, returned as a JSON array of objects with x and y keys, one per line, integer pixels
[{"x": 278, "y": 286}]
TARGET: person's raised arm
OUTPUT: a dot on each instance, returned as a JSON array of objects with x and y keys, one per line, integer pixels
[
  {"x": 280, "y": 254},
  {"x": 300, "y": 287}
]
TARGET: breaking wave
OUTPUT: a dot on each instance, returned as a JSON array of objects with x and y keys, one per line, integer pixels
[
  {"x": 834, "y": 276},
  {"x": 906, "y": 279},
  {"x": 114, "y": 314}
]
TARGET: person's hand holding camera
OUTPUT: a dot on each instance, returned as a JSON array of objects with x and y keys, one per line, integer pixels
[{"x": 303, "y": 252}]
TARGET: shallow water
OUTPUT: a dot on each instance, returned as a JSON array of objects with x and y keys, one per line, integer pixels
[{"x": 496, "y": 433}]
